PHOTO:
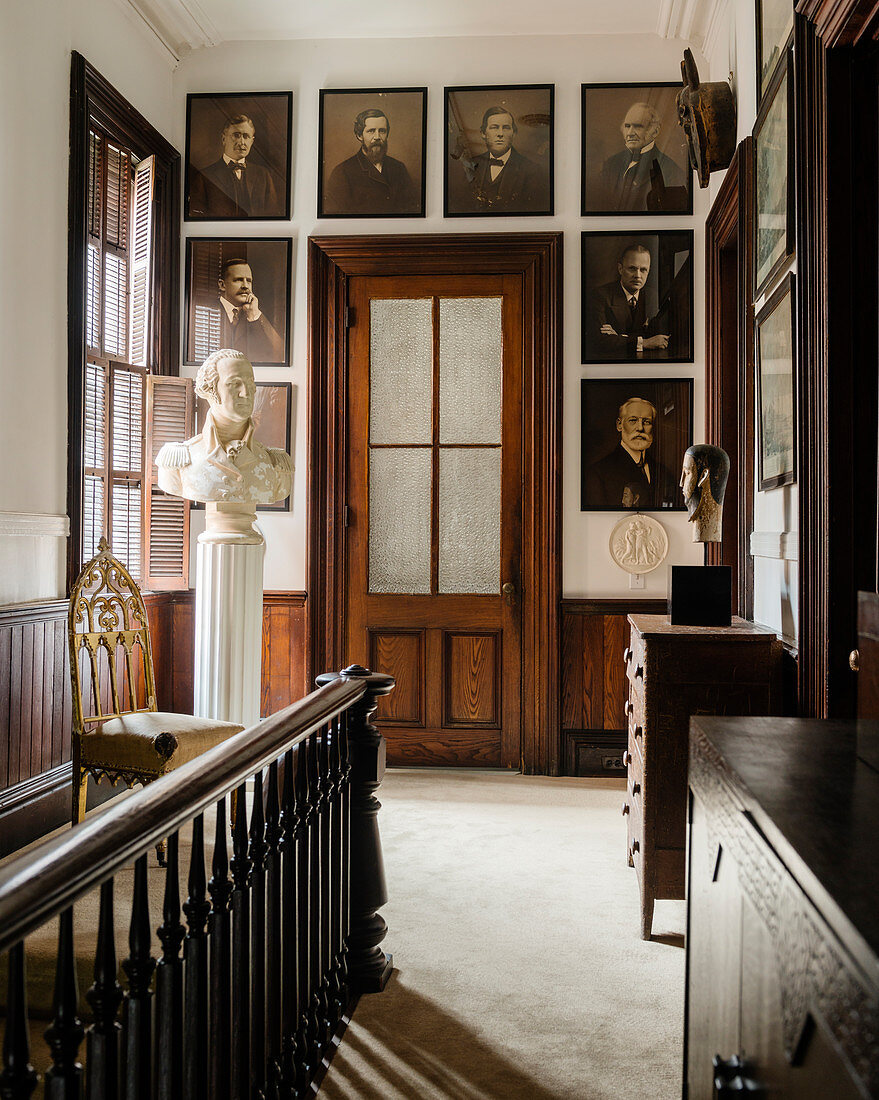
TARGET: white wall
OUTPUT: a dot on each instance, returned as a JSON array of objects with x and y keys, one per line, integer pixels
[
  {"x": 307, "y": 66},
  {"x": 36, "y": 37},
  {"x": 774, "y": 542}
]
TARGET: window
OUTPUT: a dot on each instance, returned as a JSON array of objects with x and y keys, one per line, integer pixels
[{"x": 123, "y": 297}]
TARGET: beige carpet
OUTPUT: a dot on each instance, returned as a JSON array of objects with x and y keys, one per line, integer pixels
[{"x": 519, "y": 968}]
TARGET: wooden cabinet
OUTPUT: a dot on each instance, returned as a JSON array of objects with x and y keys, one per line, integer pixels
[
  {"x": 674, "y": 672},
  {"x": 782, "y": 911}
]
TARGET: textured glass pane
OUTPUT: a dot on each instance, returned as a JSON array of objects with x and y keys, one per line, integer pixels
[
  {"x": 399, "y": 520},
  {"x": 400, "y": 370},
  {"x": 470, "y": 520},
  {"x": 471, "y": 345}
]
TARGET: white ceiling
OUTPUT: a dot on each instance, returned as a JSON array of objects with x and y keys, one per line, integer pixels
[{"x": 185, "y": 25}]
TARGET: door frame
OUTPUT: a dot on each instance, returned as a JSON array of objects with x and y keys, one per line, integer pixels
[{"x": 537, "y": 258}]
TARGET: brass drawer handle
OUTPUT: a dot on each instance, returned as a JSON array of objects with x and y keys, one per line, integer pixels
[
  {"x": 636, "y": 788},
  {"x": 627, "y": 654},
  {"x": 636, "y": 847},
  {"x": 625, "y": 808},
  {"x": 629, "y": 707},
  {"x": 639, "y": 671},
  {"x": 639, "y": 732},
  {"x": 627, "y": 759}
]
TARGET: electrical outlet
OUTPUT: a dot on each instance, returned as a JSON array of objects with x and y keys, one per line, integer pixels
[
  {"x": 612, "y": 763},
  {"x": 636, "y": 580}
]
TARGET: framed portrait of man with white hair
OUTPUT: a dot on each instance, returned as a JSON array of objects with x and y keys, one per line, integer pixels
[{"x": 634, "y": 153}]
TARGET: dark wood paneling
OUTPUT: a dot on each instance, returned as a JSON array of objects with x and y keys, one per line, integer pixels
[
  {"x": 842, "y": 22},
  {"x": 472, "y": 678},
  {"x": 283, "y": 648},
  {"x": 616, "y": 636},
  {"x": 400, "y": 654},
  {"x": 411, "y": 748}
]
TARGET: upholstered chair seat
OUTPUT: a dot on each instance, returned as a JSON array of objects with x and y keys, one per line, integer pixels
[{"x": 150, "y": 743}]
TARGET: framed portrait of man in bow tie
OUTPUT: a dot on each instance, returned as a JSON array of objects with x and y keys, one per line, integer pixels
[
  {"x": 634, "y": 153},
  {"x": 238, "y": 149},
  {"x": 499, "y": 151},
  {"x": 238, "y": 296},
  {"x": 633, "y": 436},
  {"x": 637, "y": 296}
]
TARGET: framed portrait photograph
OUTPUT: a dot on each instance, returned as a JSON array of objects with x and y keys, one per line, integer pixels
[
  {"x": 499, "y": 150},
  {"x": 776, "y": 391},
  {"x": 774, "y": 184},
  {"x": 238, "y": 296},
  {"x": 634, "y": 153},
  {"x": 637, "y": 296},
  {"x": 633, "y": 437},
  {"x": 238, "y": 149},
  {"x": 371, "y": 156},
  {"x": 775, "y": 24},
  {"x": 272, "y": 416}
]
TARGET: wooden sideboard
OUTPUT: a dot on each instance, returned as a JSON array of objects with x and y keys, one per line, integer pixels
[
  {"x": 783, "y": 910},
  {"x": 674, "y": 672}
]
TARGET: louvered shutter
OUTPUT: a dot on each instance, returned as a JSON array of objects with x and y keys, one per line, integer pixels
[
  {"x": 170, "y": 418},
  {"x": 126, "y": 466},
  {"x": 141, "y": 251}
]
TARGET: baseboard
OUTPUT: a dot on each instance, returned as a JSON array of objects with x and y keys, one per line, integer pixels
[
  {"x": 38, "y": 805},
  {"x": 594, "y": 752}
]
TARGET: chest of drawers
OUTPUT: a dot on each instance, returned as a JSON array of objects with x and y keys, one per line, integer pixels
[{"x": 674, "y": 672}]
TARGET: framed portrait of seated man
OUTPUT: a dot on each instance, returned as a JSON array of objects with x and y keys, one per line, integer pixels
[
  {"x": 634, "y": 152},
  {"x": 634, "y": 433},
  {"x": 637, "y": 296}
]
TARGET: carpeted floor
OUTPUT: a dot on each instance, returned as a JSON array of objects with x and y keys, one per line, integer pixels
[{"x": 520, "y": 971}]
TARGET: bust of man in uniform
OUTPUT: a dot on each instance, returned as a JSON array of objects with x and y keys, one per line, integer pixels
[
  {"x": 224, "y": 464},
  {"x": 703, "y": 481}
]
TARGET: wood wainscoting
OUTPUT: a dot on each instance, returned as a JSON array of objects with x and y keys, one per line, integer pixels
[
  {"x": 35, "y": 710},
  {"x": 593, "y": 685}
]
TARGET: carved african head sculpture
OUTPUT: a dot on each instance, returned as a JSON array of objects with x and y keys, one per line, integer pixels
[{"x": 703, "y": 480}]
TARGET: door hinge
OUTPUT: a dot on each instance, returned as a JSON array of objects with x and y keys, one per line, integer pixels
[{"x": 345, "y": 516}]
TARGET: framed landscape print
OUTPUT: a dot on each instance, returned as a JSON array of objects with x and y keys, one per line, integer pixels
[
  {"x": 776, "y": 392},
  {"x": 774, "y": 190},
  {"x": 499, "y": 150},
  {"x": 238, "y": 148},
  {"x": 371, "y": 158},
  {"x": 633, "y": 436},
  {"x": 634, "y": 153},
  {"x": 775, "y": 22},
  {"x": 637, "y": 296},
  {"x": 272, "y": 416}
]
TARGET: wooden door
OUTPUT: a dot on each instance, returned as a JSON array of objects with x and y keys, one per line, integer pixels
[{"x": 434, "y": 467}]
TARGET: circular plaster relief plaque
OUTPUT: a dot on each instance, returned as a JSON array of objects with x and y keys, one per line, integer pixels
[{"x": 638, "y": 544}]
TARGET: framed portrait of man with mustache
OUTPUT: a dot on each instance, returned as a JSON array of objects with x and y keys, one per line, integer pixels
[
  {"x": 637, "y": 296},
  {"x": 371, "y": 156},
  {"x": 633, "y": 436}
]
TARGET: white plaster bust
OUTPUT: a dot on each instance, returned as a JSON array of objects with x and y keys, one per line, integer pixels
[
  {"x": 703, "y": 480},
  {"x": 224, "y": 463}
]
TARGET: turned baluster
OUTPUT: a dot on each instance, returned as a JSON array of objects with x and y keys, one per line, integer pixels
[
  {"x": 273, "y": 951},
  {"x": 105, "y": 996},
  {"x": 345, "y": 909},
  {"x": 240, "y": 1073},
  {"x": 325, "y": 820},
  {"x": 316, "y": 1011},
  {"x": 169, "y": 986},
  {"x": 305, "y": 929},
  {"x": 258, "y": 853},
  {"x": 139, "y": 966},
  {"x": 18, "y": 1079},
  {"x": 220, "y": 1007},
  {"x": 195, "y": 1022},
  {"x": 64, "y": 1079},
  {"x": 289, "y": 933}
]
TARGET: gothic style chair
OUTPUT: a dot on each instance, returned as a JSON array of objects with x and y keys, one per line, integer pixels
[{"x": 118, "y": 732}]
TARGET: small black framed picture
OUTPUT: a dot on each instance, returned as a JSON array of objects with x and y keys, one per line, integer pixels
[
  {"x": 776, "y": 388},
  {"x": 775, "y": 24},
  {"x": 634, "y": 153},
  {"x": 238, "y": 149},
  {"x": 633, "y": 436},
  {"x": 272, "y": 417},
  {"x": 238, "y": 296},
  {"x": 774, "y": 195},
  {"x": 371, "y": 157},
  {"x": 637, "y": 296},
  {"x": 499, "y": 150}
]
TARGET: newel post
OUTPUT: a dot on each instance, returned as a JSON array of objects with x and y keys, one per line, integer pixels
[{"x": 368, "y": 966}]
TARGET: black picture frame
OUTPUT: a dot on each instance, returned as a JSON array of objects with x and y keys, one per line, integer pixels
[
  {"x": 206, "y": 321},
  {"x": 664, "y": 302},
  {"x": 773, "y": 180},
  {"x": 527, "y": 189},
  {"x": 210, "y": 190},
  {"x": 613, "y": 181},
  {"x": 609, "y": 480},
  {"x": 774, "y": 22},
  {"x": 273, "y": 417},
  {"x": 776, "y": 338},
  {"x": 345, "y": 186}
]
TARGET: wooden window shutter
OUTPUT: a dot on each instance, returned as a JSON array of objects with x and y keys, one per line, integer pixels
[
  {"x": 170, "y": 418},
  {"x": 141, "y": 255},
  {"x": 126, "y": 438}
]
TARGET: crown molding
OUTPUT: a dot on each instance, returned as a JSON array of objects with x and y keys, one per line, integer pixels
[
  {"x": 690, "y": 20},
  {"x": 181, "y": 26},
  {"x": 32, "y": 525}
]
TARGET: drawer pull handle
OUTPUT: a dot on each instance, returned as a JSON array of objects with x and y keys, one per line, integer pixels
[
  {"x": 629, "y": 707},
  {"x": 627, "y": 759},
  {"x": 639, "y": 732},
  {"x": 639, "y": 671},
  {"x": 636, "y": 788},
  {"x": 732, "y": 1078},
  {"x": 625, "y": 808},
  {"x": 627, "y": 655},
  {"x": 636, "y": 846}
]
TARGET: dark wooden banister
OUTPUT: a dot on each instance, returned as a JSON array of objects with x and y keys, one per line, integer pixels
[{"x": 37, "y": 886}]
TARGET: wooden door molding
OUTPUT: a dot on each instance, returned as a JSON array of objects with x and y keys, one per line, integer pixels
[
  {"x": 537, "y": 259},
  {"x": 729, "y": 386},
  {"x": 842, "y": 22}
]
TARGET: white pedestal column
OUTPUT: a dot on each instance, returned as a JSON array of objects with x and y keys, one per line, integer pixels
[{"x": 228, "y": 617}]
